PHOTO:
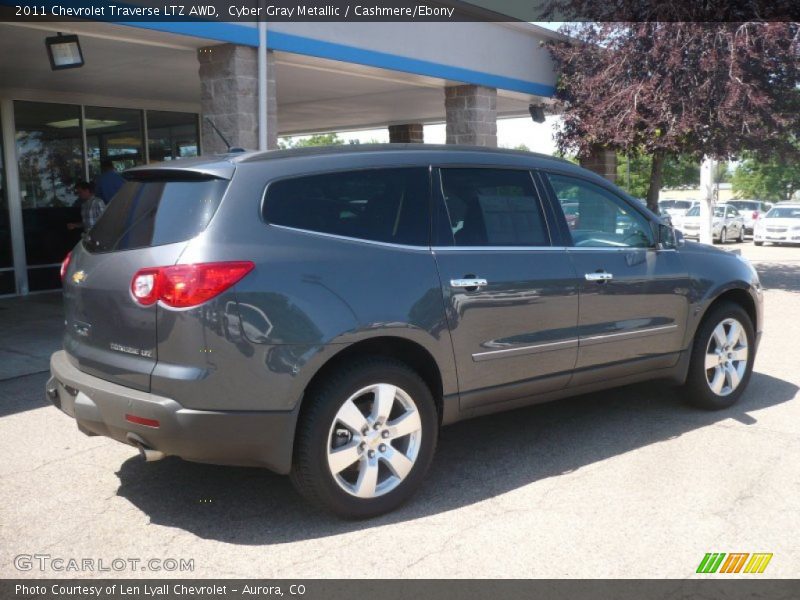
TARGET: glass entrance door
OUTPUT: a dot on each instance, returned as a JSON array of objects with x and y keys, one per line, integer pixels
[{"x": 50, "y": 158}]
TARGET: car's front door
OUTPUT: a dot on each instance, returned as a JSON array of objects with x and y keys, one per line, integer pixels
[
  {"x": 633, "y": 296},
  {"x": 511, "y": 296}
]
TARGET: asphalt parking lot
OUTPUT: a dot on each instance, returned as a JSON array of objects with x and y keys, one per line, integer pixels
[{"x": 627, "y": 483}]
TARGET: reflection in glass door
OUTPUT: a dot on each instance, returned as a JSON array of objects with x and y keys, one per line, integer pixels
[
  {"x": 114, "y": 134},
  {"x": 7, "y": 285},
  {"x": 50, "y": 158}
]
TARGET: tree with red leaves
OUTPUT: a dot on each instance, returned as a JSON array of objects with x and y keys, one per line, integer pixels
[{"x": 669, "y": 88}]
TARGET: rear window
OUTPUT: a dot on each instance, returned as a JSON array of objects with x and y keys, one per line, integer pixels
[
  {"x": 382, "y": 205},
  {"x": 154, "y": 213}
]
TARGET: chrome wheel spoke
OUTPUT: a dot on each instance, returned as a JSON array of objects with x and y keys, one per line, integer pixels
[
  {"x": 733, "y": 333},
  {"x": 712, "y": 361},
  {"x": 739, "y": 354},
  {"x": 367, "y": 481},
  {"x": 398, "y": 462},
  {"x": 384, "y": 401},
  {"x": 732, "y": 376},
  {"x": 343, "y": 457},
  {"x": 407, "y": 424},
  {"x": 351, "y": 416},
  {"x": 718, "y": 381},
  {"x": 719, "y": 335}
]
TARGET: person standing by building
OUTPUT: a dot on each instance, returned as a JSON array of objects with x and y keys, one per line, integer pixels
[
  {"x": 109, "y": 182},
  {"x": 91, "y": 206}
]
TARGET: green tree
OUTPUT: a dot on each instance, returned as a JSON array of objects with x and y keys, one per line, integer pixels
[
  {"x": 769, "y": 179},
  {"x": 319, "y": 139},
  {"x": 633, "y": 173}
]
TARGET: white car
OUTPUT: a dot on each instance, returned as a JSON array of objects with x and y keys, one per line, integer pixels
[
  {"x": 752, "y": 211},
  {"x": 726, "y": 225},
  {"x": 676, "y": 208},
  {"x": 781, "y": 225}
]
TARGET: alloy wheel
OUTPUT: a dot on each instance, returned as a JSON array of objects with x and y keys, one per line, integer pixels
[
  {"x": 374, "y": 440},
  {"x": 727, "y": 353}
]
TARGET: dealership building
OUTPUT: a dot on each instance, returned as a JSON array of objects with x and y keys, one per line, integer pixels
[{"x": 147, "y": 91}]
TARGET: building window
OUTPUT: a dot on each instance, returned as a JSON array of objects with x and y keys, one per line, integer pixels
[
  {"x": 114, "y": 134},
  {"x": 171, "y": 135}
]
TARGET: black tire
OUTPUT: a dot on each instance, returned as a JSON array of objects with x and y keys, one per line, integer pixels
[
  {"x": 741, "y": 235},
  {"x": 311, "y": 474},
  {"x": 723, "y": 236},
  {"x": 697, "y": 387},
  {"x": 759, "y": 243}
]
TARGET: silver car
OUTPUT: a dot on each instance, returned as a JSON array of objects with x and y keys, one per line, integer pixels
[{"x": 726, "y": 225}]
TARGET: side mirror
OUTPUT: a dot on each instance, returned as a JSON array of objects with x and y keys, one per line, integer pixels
[{"x": 668, "y": 237}]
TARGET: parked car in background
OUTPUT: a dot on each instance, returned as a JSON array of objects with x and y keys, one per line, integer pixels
[
  {"x": 752, "y": 211},
  {"x": 781, "y": 225},
  {"x": 675, "y": 208},
  {"x": 323, "y": 311},
  {"x": 726, "y": 225}
]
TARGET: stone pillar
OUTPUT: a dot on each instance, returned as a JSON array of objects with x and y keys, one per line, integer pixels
[
  {"x": 602, "y": 161},
  {"x": 471, "y": 113},
  {"x": 408, "y": 133},
  {"x": 229, "y": 97}
]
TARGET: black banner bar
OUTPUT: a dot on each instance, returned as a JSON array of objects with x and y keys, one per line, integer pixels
[
  {"x": 751, "y": 588},
  {"x": 211, "y": 11}
]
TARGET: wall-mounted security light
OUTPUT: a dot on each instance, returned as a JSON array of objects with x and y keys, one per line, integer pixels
[
  {"x": 537, "y": 113},
  {"x": 64, "y": 52}
]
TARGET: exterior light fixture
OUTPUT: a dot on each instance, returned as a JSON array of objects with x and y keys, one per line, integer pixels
[
  {"x": 537, "y": 113},
  {"x": 64, "y": 52}
]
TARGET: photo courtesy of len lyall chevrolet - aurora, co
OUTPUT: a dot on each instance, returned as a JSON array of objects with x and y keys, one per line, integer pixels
[{"x": 322, "y": 312}]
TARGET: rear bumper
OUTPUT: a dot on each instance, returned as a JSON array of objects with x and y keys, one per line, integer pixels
[{"x": 245, "y": 438}]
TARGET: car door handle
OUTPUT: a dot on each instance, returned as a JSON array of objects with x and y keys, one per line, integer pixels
[
  {"x": 601, "y": 276},
  {"x": 468, "y": 283}
]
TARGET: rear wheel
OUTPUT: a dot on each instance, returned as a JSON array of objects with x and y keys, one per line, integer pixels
[
  {"x": 722, "y": 358},
  {"x": 366, "y": 440},
  {"x": 759, "y": 243}
]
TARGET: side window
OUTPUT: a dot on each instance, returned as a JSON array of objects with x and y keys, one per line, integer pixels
[
  {"x": 382, "y": 205},
  {"x": 598, "y": 218},
  {"x": 493, "y": 207}
]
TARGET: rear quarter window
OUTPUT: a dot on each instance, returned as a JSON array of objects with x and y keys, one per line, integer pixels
[
  {"x": 382, "y": 205},
  {"x": 154, "y": 213}
]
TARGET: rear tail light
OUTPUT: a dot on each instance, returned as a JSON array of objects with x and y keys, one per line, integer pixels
[
  {"x": 755, "y": 215},
  {"x": 184, "y": 286},
  {"x": 65, "y": 265}
]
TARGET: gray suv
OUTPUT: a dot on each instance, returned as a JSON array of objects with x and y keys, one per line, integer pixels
[{"x": 322, "y": 312}]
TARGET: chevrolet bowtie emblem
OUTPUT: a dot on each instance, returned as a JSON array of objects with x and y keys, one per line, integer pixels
[{"x": 78, "y": 276}]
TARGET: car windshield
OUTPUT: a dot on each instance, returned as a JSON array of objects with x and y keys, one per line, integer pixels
[
  {"x": 719, "y": 211},
  {"x": 745, "y": 204},
  {"x": 666, "y": 204},
  {"x": 683, "y": 204},
  {"x": 784, "y": 212}
]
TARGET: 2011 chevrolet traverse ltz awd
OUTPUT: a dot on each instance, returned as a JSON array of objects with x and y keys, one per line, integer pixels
[{"x": 322, "y": 312}]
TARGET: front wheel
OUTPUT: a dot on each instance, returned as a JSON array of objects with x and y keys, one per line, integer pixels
[
  {"x": 759, "y": 243},
  {"x": 722, "y": 358},
  {"x": 741, "y": 235},
  {"x": 366, "y": 440},
  {"x": 723, "y": 236}
]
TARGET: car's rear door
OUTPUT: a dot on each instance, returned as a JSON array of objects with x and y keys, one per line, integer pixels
[
  {"x": 510, "y": 294},
  {"x": 633, "y": 296},
  {"x": 146, "y": 224}
]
